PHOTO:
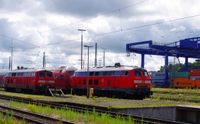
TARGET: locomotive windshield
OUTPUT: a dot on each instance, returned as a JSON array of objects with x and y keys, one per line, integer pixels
[
  {"x": 140, "y": 72},
  {"x": 42, "y": 73},
  {"x": 49, "y": 74},
  {"x": 45, "y": 73},
  {"x": 145, "y": 73},
  {"x": 137, "y": 73}
]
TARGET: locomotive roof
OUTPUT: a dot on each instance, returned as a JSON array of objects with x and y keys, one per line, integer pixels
[
  {"x": 27, "y": 70},
  {"x": 3, "y": 72},
  {"x": 109, "y": 69}
]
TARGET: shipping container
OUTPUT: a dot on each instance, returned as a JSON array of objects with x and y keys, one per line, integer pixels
[
  {"x": 195, "y": 72},
  {"x": 178, "y": 74},
  {"x": 194, "y": 77},
  {"x": 183, "y": 82},
  {"x": 197, "y": 83}
]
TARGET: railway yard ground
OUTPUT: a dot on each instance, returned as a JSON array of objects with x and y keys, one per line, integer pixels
[{"x": 160, "y": 98}]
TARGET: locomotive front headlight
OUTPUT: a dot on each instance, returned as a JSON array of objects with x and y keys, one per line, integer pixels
[
  {"x": 147, "y": 82},
  {"x": 51, "y": 81},
  {"x": 137, "y": 81},
  {"x": 41, "y": 81}
]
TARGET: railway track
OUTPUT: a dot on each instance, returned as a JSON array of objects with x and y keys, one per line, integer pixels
[
  {"x": 30, "y": 117},
  {"x": 83, "y": 108},
  {"x": 168, "y": 92}
]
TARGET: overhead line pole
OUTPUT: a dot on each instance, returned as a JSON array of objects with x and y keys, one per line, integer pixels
[
  {"x": 11, "y": 56},
  {"x": 104, "y": 57},
  {"x": 44, "y": 60},
  {"x": 9, "y": 65},
  {"x": 88, "y": 64},
  {"x": 81, "y": 30},
  {"x": 95, "y": 59}
]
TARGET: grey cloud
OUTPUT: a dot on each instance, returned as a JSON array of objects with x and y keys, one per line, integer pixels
[
  {"x": 89, "y": 8},
  {"x": 117, "y": 42},
  {"x": 14, "y": 5},
  {"x": 6, "y": 33}
]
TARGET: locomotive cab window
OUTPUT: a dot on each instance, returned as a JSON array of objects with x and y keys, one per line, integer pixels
[
  {"x": 49, "y": 74},
  {"x": 145, "y": 73},
  {"x": 126, "y": 73},
  {"x": 42, "y": 73},
  {"x": 137, "y": 73}
]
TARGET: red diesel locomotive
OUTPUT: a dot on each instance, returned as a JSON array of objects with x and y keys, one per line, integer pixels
[
  {"x": 36, "y": 80},
  {"x": 131, "y": 82}
]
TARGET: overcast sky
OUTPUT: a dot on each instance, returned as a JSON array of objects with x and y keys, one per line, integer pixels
[{"x": 37, "y": 26}]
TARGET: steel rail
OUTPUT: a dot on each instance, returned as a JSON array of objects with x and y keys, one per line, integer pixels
[{"x": 31, "y": 117}]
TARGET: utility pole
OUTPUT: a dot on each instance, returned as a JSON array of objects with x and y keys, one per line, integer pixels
[
  {"x": 81, "y": 30},
  {"x": 104, "y": 57},
  {"x": 44, "y": 60},
  {"x": 88, "y": 63},
  {"x": 95, "y": 59},
  {"x": 11, "y": 56},
  {"x": 9, "y": 65}
]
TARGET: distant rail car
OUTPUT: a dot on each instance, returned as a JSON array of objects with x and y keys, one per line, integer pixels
[
  {"x": 158, "y": 79},
  {"x": 36, "y": 80},
  {"x": 113, "y": 81}
]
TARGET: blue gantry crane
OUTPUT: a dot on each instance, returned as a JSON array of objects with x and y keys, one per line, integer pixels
[{"x": 186, "y": 48}]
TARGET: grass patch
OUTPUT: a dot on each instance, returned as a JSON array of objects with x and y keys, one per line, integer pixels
[
  {"x": 176, "y": 97},
  {"x": 191, "y": 96},
  {"x": 176, "y": 91},
  {"x": 9, "y": 119},
  {"x": 72, "y": 115}
]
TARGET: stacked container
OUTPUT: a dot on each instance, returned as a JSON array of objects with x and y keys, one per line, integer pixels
[
  {"x": 195, "y": 77},
  {"x": 181, "y": 80},
  {"x": 179, "y": 74}
]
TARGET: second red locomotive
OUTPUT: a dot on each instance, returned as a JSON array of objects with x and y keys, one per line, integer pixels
[{"x": 131, "y": 82}]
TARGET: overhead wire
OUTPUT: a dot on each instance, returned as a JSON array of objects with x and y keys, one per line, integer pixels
[{"x": 146, "y": 25}]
